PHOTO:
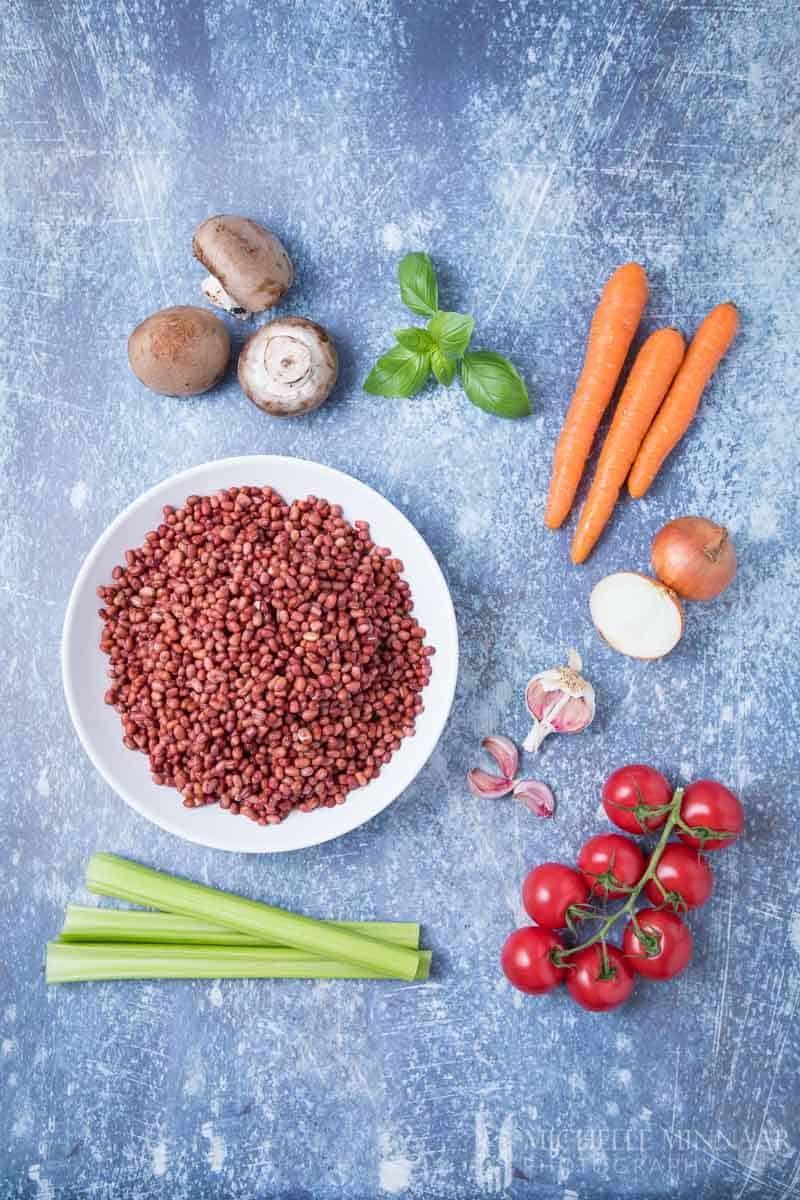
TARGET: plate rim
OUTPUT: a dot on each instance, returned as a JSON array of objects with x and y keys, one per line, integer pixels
[{"x": 264, "y": 461}]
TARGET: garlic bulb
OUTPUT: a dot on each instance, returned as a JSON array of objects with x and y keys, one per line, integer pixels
[{"x": 560, "y": 701}]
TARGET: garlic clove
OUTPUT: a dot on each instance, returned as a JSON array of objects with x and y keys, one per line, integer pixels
[
  {"x": 573, "y": 717},
  {"x": 539, "y": 700},
  {"x": 488, "y": 787},
  {"x": 504, "y": 753},
  {"x": 536, "y": 796}
]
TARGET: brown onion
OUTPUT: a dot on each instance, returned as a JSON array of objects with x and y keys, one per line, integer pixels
[{"x": 694, "y": 557}]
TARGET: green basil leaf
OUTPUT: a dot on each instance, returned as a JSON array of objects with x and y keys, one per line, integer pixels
[
  {"x": 418, "y": 287},
  {"x": 452, "y": 331},
  {"x": 492, "y": 383},
  {"x": 444, "y": 368},
  {"x": 401, "y": 372},
  {"x": 414, "y": 339}
]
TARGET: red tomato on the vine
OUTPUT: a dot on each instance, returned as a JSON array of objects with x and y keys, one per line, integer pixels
[
  {"x": 664, "y": 948},
  {"x": 596, "y": 982},
  {"x": 553, "y": 894},
  {"x": 615, "y": 859},
  {"x": 630, "y": 792},
  {"x": 685, "y": 877},
  {"x": 527, "y": 960},
  {"x": 713, "y": 813}
]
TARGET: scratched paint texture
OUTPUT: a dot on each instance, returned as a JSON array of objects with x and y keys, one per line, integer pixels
[{"x": 531, "y": 148}]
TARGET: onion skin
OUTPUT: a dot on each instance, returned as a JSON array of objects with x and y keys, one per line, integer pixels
[{"x": 695, "y": 557}]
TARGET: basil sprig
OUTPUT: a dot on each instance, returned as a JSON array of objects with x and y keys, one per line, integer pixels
[{"x": 489, "y": 380}]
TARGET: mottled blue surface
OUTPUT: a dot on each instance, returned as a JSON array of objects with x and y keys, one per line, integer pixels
[{"x": 531, "y": 148}]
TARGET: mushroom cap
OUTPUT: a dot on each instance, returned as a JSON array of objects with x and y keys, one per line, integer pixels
[
  {"x": 249, "y": 261},
  {"x": 288, "y": 367},
  {"x": 180, "y": 351}
]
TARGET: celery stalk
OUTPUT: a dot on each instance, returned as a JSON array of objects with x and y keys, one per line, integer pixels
[
  {"x": 84, "y": 923},
  {"x": 71, "y": 962},
  {"x": 108, "y": 875}
]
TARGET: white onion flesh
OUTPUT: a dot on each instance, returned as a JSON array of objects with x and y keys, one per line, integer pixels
[{"x": 636, "y": 615}]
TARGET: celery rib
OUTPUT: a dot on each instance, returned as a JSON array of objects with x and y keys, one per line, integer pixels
[
  {"x": 71, "y": 962},
  {"x": 84, "y": 923},
  {"x": 108, "y": 875}
]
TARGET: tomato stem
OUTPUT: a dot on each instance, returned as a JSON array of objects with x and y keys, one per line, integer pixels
[
  {"x": 669, "y": 898},
  {"x": 704, "y": 834},
  {"x": 582, "y": 912},
  {"x": 608, "y": 969},
  {"x": 642, "y": 813},
  {"x": 649, "y": 873},
  {"x": 607, "y": 881}
]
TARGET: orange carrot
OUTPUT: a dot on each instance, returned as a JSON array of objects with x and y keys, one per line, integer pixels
[
  {"x": 674, "y": 417},
  {"x": 614, "y": 323},
  {"x": 646, "y": 386}
]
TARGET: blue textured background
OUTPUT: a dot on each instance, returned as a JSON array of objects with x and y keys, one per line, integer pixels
[{"x": 531, "y": 148}]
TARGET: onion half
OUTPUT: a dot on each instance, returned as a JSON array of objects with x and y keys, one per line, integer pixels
[{"x": 636, "y": 615}]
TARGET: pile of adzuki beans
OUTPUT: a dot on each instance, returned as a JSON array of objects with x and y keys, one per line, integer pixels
[{"x": 262, "y": 654}]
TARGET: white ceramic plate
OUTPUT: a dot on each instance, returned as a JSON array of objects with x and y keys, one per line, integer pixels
[{"x": 84, "y": 666}]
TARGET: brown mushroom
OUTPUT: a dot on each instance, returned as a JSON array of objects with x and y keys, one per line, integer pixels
[
  {"x": 288, "y": 367},
  {"x": 179, "y": 351},
  {"x": 250, "y": 269}
]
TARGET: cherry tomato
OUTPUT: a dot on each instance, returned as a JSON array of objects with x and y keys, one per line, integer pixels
[
  {"x": 552, "y": 893},
  {"x": 630, "y": 791},
  {"x": 667, "y": 944},
  {"x": 685, "y": 876},
  {"x": 585, "y": 982},
  {"x": 711, "y": 809},
  {"x": 614, "y": 856},
  {"x": 527, "y": 962}
]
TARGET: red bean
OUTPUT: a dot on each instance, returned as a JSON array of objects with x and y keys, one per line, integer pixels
[{"x": 262, "y": 655}]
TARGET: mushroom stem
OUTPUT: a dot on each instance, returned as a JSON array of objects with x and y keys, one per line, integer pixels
[
  {"x": 287, "y": 360},
  {"x": 215, "y": 292}
]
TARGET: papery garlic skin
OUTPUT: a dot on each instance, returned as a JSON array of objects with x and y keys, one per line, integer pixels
[{"x": 560, "y": 700}]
